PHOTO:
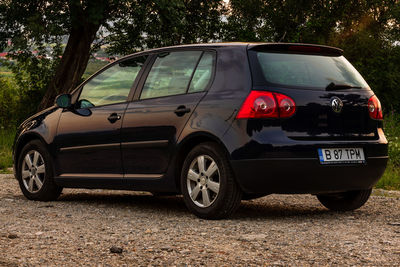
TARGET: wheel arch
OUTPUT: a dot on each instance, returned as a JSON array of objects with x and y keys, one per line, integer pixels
[
  {"x": 22, "y": 141},
  {"x": 187, "y": 144}
]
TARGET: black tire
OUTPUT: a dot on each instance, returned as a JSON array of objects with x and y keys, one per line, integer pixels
[
  {"x": 345, "y": 201},
  {"x": 48, "y": 190},
  {"x": 227, "y": 199}
]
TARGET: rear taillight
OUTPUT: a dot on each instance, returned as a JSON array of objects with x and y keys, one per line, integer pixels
[
  {"x": 287, "y": 107},
  {"x": 262, "y": 104},
  {"x": 375, "y": 108}
]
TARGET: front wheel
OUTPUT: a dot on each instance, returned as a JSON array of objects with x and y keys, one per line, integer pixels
[
  {"x": 345, "y": 201},
  {"x": 35, "y": 173},
  {"x": 207, "y": 183}
]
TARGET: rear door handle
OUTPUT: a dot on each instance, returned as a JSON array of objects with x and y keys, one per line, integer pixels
[
  {"x": 181, "y": 110},
  {"x": 114, "y": 117}
]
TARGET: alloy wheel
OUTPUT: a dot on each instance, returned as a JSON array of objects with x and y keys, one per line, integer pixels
[
  {"x": 203, "y": 181},
  {"x": 33, "y": 171}
]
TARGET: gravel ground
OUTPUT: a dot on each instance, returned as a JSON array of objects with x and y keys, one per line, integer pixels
[{"x": 83, "y": 227}]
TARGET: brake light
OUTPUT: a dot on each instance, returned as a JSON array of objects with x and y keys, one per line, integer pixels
[
  {"x": 375, "y": 108},
  {"x": 262, "y": 104},
  {"x": 287, "y": 107},
  {"x": 303, "y": 48}
]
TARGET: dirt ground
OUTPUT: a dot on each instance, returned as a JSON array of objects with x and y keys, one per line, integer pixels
[{"x": 120, "y": 228}]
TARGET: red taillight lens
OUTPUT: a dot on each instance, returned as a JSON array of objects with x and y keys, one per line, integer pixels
[
  {"x": 262, "y": 104},
  {"x": 375, "y": 108},
  {"x": 259, "y": 104},
  {"x": 287, "y": 107}
]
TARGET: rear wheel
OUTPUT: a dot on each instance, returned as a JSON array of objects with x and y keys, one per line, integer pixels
[
  {"x": 208, "y": 186},
  {"x": 35, "y": 173},
  {"x": 345, "y": 201}
]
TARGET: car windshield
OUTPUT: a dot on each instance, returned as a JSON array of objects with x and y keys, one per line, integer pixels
[{"x": 308, "y": 71}]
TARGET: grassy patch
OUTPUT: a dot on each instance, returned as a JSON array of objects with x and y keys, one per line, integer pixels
[
  {"x": 6, "y": 141},
  {"x": 5, "y": 72},
  {"x": 391, "y": 178}
]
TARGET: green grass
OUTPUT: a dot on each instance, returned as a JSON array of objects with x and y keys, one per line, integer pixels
[
  {"x": 6, "y": 141},
  {"x": 391, "y": 178}
]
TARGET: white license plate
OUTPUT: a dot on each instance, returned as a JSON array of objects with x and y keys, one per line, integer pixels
[{"x": 341, "y": 155}]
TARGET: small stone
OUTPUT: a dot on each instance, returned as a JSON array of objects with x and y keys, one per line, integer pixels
[
  {"x": 46, "y": 206},
  {"x": 39, "y": 233},
  {"x": 148, "y": 231},
  {"x": 394, "y": 223},
  {"x": 115, "y": 249},
  {"x": 252, "y": 237},
  {"x": 12, "y": 236}
]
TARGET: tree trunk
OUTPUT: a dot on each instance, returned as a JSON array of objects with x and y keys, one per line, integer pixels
[{"x": 72, "y": 65}]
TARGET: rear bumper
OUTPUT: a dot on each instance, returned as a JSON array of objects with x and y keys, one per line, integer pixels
[
  {"x": 269, "y": 162},
  {"x": 306, "y": 175}
]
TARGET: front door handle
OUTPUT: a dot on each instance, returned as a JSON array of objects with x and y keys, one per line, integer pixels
[
  {"x": 181, "y": 110},
  {"x": 114, "y": 117}
]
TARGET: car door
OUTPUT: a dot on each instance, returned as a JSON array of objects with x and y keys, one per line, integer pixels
[
  {"x": 173, "y": 87},
  {"x": 89, "y": 134}
]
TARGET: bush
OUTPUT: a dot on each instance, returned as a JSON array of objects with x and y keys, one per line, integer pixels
[
  {"x": 9, "y": 101},
  {"x": 6, "y": 141},
  {"x": 391, "y": 178},
  {"x": 392, "y": 132}
]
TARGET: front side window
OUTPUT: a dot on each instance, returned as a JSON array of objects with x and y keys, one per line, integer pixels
[
  {"x": 171, "y": 74},
  {"x": 112, "y": 85}
]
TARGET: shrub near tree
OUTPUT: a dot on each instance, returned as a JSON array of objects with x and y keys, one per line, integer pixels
[{"x": 8, "y": 103}]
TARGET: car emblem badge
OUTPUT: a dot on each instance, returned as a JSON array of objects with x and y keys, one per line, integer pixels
[{"x": 336, "y": 104}]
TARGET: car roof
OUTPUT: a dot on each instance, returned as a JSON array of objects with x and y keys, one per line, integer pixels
[{"x": 248, "y": 45}]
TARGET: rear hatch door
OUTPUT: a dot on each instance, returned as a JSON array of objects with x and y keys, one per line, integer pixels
[{"x": 331, "y": 97}]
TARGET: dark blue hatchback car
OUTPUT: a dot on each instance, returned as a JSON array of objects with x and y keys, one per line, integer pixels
[{"x": 215, "y": 122}]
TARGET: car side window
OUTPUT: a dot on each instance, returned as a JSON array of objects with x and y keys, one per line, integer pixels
[
  {"x": 170, "y": 74},
  {"x": 112, "y": 85},
  {"x": 203, "y": 73}
]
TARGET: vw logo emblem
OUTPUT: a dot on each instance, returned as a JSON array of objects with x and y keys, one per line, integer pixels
[{"x": 336, "y": 104}]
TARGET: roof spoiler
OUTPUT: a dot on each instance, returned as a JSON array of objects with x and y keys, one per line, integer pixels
[{"x": 296, "y": 48}]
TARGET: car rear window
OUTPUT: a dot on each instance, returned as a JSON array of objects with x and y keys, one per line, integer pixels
[{"x": 303, "y": 70}]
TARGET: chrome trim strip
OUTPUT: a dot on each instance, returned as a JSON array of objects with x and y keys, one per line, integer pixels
[
  {"x": 155, "y": 143},
  {"x": 91, "y": 175},
  {"x": 109, "y": 175},
  {"x": 89, "y": 147},
  {"x": 143, "y": 176}
]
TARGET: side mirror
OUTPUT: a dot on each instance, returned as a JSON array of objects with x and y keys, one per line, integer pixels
[{"x": 63, "y": 101}]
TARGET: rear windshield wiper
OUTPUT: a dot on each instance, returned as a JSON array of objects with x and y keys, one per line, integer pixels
[{"x": 333, "y": 86}]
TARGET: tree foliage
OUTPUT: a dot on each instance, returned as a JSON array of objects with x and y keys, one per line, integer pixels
[
  {"x": 149, "y": 24},
  {"x": 33, "y": 24},
  {"x": 367, "y": 30}
]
